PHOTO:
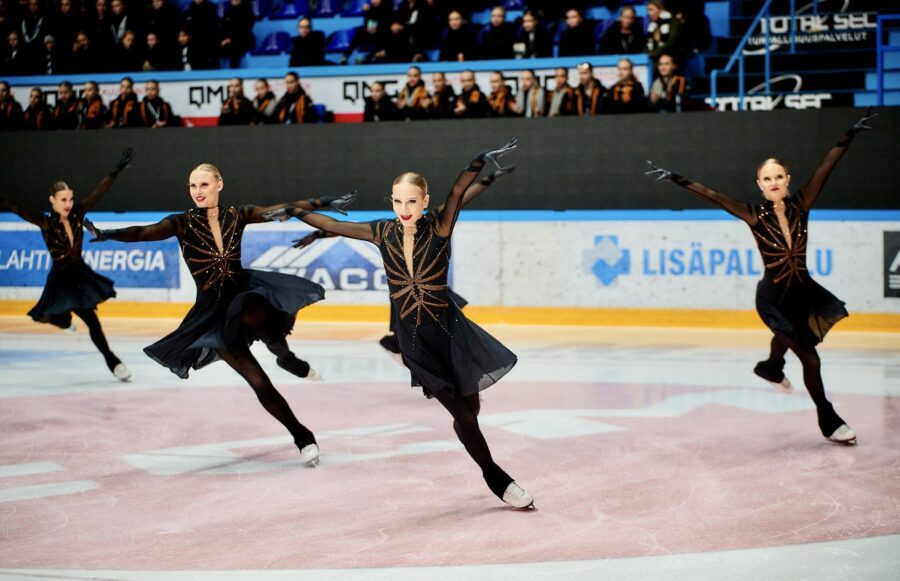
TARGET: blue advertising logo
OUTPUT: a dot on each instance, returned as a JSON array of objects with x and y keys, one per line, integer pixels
[
  {"x": 334, "y": 263},
  {"x": 25, "y": 261},
  {"x": 606, "y": 260}
]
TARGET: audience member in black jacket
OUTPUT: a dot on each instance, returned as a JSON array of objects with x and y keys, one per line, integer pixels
[
  {"x": 18, "y": 59},
  {"x": 10, "y": 110},
  {"x": 495, "y": 41},
  {"x": 128, "y": 57},
  {"x": 67, "y": 24},
  {"x": 237, "y": 31},
  {"x": 308, "y": 47},
  {"x": 396, "y": 47},
  {"x": 237, "y": 109},
  {"x": 418, "y": 17},
  {"x": 379, "y": 106},
  {"x": 457, "y": 42},
  {"x": 192, "y": 54},
  {"x": 532, "y": 40},
  {"x": 578, "y": 37},
  {"x": 163, "y": 19},
  {"x": 158, "y": 56},
  {"x": 84, "y": 57},
  {"x": 202, "y": 22},
  {"x": 623, "y": 36}
]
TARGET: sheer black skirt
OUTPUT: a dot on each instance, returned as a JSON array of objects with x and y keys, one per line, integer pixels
[{"x": 71, "y": 287}]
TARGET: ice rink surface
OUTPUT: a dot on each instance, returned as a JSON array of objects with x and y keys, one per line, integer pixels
[{"x": 651, "y": 454}]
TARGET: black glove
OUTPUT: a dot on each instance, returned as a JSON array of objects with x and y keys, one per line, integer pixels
[
  {"x": 338, "y": 203},
  {"x": 308, "y": 239},
  {"x": 98, "y": 235},
  {"x": 860, "y": 125},
  {"x": 124, "y": 161},
  {"x": 662, "y": 174},
  {"x": 494, "y": 156},
  {"x": 279, "y": 215}
]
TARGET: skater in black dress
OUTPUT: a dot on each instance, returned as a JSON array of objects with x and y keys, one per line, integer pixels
[
  {"x": 389, "y": 341},
  {"x": 234, "y": 306},
  {"x": 797, "y": 310},
  {"x": 72, "y": 287},
  {"x": 449, "y": 356}
]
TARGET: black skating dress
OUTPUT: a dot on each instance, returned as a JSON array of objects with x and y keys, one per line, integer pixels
[
  {"x": 788, "y": 300},
  {"x": 224, "y": 288}
]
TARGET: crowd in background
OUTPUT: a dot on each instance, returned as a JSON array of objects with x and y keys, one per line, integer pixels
[{"x": 92, "y": 36}]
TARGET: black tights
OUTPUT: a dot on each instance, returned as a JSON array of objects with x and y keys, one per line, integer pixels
[
  {"x": 96, "y": 331},
  {"x": 829, "y": 421},
  {"x": 256, "y": 320},
  {"x": 465, "y": 423}
]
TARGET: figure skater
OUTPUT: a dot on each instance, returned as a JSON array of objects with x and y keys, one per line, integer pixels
[
  {"x": 72, "y": 287},
  {"x": 449, "y": 356},
  {"x": 797, "y": 310},
  {"x": 234, "y": 306}
]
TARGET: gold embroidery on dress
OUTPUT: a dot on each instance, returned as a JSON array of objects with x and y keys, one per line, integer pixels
[
  {"x": 417, "y": 292},
  {"x": 214, "y": 264},
  {"x": 787, "y": 261}
]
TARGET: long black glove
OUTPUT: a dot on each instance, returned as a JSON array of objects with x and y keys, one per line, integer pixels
[
  {"x": 662, "y": 174},
  {"x": 98, "y": 235},
  {"x": 338, "y": 203},
  {"x": 493, "y": 156},
  {"x": 860, "y": 125},
  {"x": 309, "y": 239},
  {"x": 124, "y": 161}
]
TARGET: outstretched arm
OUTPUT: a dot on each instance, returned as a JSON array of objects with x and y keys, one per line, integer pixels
[
  {"x": 36, "y": 218},
  {"x": 125, "y": 161},
  {"x": 165, "y": 228},
  {"x": 810, "y": 192},
  {"x": 333, "y": 203},
  {"x": 449, "y": 212},
  {"x": 357, "y": 230},
  {"x": 741, "y": 210}
]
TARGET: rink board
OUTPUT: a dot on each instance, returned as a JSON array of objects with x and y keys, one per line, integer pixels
[{"x": 588, "y": 267}]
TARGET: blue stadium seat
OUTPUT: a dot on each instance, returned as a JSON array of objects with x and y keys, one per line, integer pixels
[
  {"x": 514, "y": 4},
  {"x": 340, "y": 40},
  {"x": 326, "y": 8},
  {"x": 601, "y": 26},
  {"x": 319, "y": 112},
  {"x": 274, "y": 43},
  {"x": 353, "y": 8},
  {"x": 289, "y": 9}
]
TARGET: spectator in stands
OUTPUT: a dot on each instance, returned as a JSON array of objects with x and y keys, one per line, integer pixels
[
  {"x": 83, "y": 58},
  {"x": 669, "y": 89},
  {"x": 67, "y": 113},
  {"x": 443, "y": 100},
  {"x": 308, "y": 47},
  {"x": 157, "y": 57},
  {"x": 697, "y": 34},
  {"x": 294, "y": 107},
  {"x": 100, "y": 29},
  {"x": 562, "y": 99},
  {"x": 471, "y": 102},
  {"x": 413, "y": 98},
  {"x": 237, "y": 31},
  {"x": 418, "y": 17},
  {"x": 372, "y": 35},
  {"x": 531, "y": 101},
  {"x": 18, "y": 60},
  {"x": 627, "y": 95},
  {"x": 264, "y": 103},
  {"x": 495, "y": 41},
  {"x": 7, "y": 19},
  {"x": 128, "y": 57},
  {"x": 34, "y": 26},
  {"x": 202, "y": 22},
  {"x": 396, "y": 47},
  {"x": 237, "y": 109},
  {"x": 123, "y": 107},
  {"x": 193, "y": 55},
  {"x": 163, "y": 19},
  {"x": 623, "y": 36},
  {"x": 119, "y": 21},
  {"x": 590, "y": 92},
  {"x": 379, "y": 106},
  {"x": 153, "y": 111},
  {"x": 500, "y": 100},
  {"x": 10, "y": 110},
  {"x": 578, "y": 37},
  {"x": 457, "y": 42},
  {"x": 93, "y": 111},
  {"x": 51, "y": 59},
  {"x": 532, "y": 40},
  {"x": 66, "y": 25},
  {"x": 37, "y": 117},
  {"x": 663, "y": 31}
]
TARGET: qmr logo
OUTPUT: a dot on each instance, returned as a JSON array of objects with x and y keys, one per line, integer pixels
[
  {"x": 334, "y": 263},
  {"x": 892, "y": 264},
  {"x": 606, "y": 260}
]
